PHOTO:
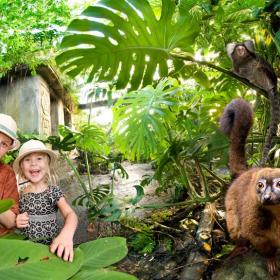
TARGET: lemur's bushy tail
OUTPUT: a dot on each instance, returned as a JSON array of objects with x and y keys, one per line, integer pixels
[{"x": 235, "y": 122}]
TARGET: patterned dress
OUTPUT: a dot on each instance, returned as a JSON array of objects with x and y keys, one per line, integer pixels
[{"x": 41, "y": 208}]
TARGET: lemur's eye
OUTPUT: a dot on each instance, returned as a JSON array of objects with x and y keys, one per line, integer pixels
[
  {"x": 278, "y": 184},
  {"x": 260, "y": 185}
]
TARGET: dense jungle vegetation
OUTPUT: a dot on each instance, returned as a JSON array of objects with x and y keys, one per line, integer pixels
[{"x": 167, "y": 64}]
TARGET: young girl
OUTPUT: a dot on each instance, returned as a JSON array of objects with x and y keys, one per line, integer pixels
[{"x": 40, "y": 199}]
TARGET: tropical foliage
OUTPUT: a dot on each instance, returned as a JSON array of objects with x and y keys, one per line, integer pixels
[
  {"x": 169, "y": 58},
  {"x": 135, "y": 43},
  {"x": 30, "y": 30},
  {"x": 129, "y": 44},
  {"x": 21, "y": 258},
  {"x": 91, "y": 141},
  {"x": 129, "y": 41},
  {"x": 27, "y": 260},
  {"x": 146, "y": 115},
  {"x": 6, "y": 204}
]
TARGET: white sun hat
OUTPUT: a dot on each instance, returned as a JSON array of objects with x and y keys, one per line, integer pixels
[
  {"x": 9, "y": 127},
  {"x": 33, "y": 146}
]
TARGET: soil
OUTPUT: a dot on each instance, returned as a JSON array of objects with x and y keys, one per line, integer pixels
[
  {"x": 162, "y": 263},
  {"x": 123, "y": 189}
]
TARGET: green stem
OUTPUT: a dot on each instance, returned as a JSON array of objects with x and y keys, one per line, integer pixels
[
  {"x": 202, "y": 179},
  {"x": 198, "y": 200},
  {"x": 90, "y": 110},
  {"x": 88, "y": 173},
  {"x": 260, "y": 139},
  {"x": 113, "y": 176},
  {"x": 214, "y": 175},
  {"x": 193, "y": 194},
  {"x": 78, "y": 176}
]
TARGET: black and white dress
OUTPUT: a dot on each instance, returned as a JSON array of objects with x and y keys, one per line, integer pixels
[{"x": 42, "y": 209}]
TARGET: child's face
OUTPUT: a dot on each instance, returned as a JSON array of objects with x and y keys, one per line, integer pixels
[
  {"x": 5, "y": 144},
  {"x": 35, "y": 167}
]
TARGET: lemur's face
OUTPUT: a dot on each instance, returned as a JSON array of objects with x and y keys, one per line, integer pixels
[{"x": 268, "y": 190}]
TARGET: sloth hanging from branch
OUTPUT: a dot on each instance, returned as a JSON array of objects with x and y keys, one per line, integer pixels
[{"x": 247, "y": 64}]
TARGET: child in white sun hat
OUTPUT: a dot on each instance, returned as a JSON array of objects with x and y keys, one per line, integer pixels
[
  {"x": 40, "y": 198},
  {"x": 8, "y": 185}
]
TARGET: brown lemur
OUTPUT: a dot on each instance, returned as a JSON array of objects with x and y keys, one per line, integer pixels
[
  {"x": 259, "y": 72},
  {"x": 252, "y": 201}
]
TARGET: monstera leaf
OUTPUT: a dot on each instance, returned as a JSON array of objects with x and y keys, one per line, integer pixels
[
  {"x": 124, "y": 41},
  {"x": 142, "y": 117}
]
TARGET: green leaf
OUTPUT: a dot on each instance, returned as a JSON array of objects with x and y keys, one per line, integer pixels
[
  {"x": 91, "y": 138},
  {"x": 103, "y": 252},
  {"x": 226, "y": 249},
  {"x": 6, "y": 204},
  {"x": 115, "y": 37},
  {"x": 102, "y": 274},
  {"x": 143, "y": 242},
  {"x": 202, "y": 79},
  {"x": 139, "y": 194},
  {"x": 27, "y": 260},
  {"x": 96, "y": 196},
  {"x": 13, "y": 235},
  {"x": 277, "y": 40},
  {"x": 30, "y": 39},
  {"x": 112, "y": 214},
  {"x": 141, "y": 119}
]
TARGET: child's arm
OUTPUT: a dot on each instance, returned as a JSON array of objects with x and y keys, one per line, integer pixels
[
  {"x": 63, "y": 243},
  {"x": 7, "y": 219}
]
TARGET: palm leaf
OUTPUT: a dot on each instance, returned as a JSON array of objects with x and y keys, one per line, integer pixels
[{"x": 123, "y": 40}]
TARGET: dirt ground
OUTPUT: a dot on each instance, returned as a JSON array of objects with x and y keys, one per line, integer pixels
[{"x": 123, "y": 189}]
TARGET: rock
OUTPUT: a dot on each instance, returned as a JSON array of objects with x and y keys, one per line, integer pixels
[{"x": 250, "y": 266}]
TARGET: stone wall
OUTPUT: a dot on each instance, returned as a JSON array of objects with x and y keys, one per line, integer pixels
[
  {"x": 21, "y": 100},
  {"x": 44, "y": 108},
  {"x": 33, "y": 105},
  {"x": 57, "y": 115}
]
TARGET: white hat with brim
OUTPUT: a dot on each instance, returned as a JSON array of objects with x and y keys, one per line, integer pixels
[
  {"x": 9, "y": 127},
  {"x": 33, "y": 146}
]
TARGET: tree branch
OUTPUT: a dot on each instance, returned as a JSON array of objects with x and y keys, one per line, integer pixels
[
  {"x": 96, "y": 104},
  {"x": 244, "y": 81}
]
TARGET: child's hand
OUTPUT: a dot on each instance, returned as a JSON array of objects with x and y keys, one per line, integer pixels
[
  {"x": 22, "y": 220},
  {"x": 62, "y": 245}
]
